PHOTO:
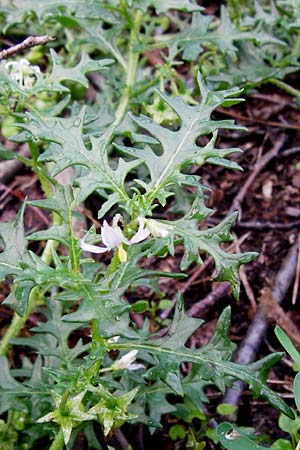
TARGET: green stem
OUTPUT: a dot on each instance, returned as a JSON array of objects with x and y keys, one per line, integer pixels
[
  {"x": 146, "y": 86},
  {"x": 58, "y": 442},
  {"x": 285, "y": 87},
  {"x": 296, "y": 49},
  {"x": 133, "y": 58}
]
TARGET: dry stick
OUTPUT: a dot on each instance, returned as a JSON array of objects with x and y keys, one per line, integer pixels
[
  {"x": 10, "y": 167},
  {"x": 263, "y": 161},
  {"x": 29, "y": 42},
  {"x": 200, "y": 307},
  {"x": 268, "y": 225},
  {"x": 290, "y": 151},
  {"x": 256, "y": 332},
  {"x": 267, "y": 123},
  {"x": 245, "y": 282}
]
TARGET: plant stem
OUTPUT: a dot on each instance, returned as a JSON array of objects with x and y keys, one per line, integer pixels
[
  {"x": 286, "y": 87},
  {"x": 133, "y": 58},
  {"x": 296, "y": 48},
  {"x": 58, "y": 442}
]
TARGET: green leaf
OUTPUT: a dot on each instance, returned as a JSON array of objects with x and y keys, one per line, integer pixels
[
  {"x": 19, "y": 10},
  {"x": 6, "y": 154},
  {"x": 289, "y": 424},
  {"x": 51, "y": 338},
  {"x": 162, "y": 6},
  {"x": 165, "y": 304},
  {"x": 211, "y": 362},
  {"x": 210, "y": 240},
  {"x": 287, "y": 345},
  {"x": 281, "y": 444},
  {"x": 227, "y": 264},
  {"x": 234, "y": 439},
  {"x": 101, "y": 38},
  {"x": 77, "y": 74},
  {"x": 180, "y": 147},
  {"x": 157, "y": 403},
  {"x": 297, "y": 390},
  {"x": 13, "y": 393},
  {"x": 14, "y": 245},
  {"x": 71, "y": 151},
  {"x": 220, "y": 34},
  {"x": 225, "y": 409},
  {"x": 140, "y": 306},
  {"x": 177, "y": 432}
]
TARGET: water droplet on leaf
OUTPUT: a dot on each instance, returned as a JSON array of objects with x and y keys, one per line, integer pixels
[{"x": 77, "y": 123}]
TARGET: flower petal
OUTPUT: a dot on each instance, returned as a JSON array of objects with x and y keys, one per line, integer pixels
[
  {"x": 112, "y": 236},
  {"x": 141, "y": 234},
  {"x": 93, "y": 248},
  {"x": 125, "y": 361},
  {"x": 132, "y": 367},
  {"x": 157, "y": 229}
]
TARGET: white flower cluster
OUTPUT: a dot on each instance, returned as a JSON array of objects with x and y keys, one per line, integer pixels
[
  {"x": 22, "y": 72},
  {"x": 113, "y": 237}
]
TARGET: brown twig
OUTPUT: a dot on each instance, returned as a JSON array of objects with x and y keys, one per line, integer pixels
[
  {"x": 207, "y": 302},
  {"x": 29, "y": 42},
  {"x": 290, "y": 151},
  {"x": 261, "y": 163},
  {"x": 256, "y": 332},
  {"x": 268, "y": 225},
  {"x": 245, "y": 282},
  {"x": 268, "y": 123}
]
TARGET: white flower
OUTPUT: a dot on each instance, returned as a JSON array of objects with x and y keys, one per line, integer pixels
[
  {"x": 22, "y": 72},
  {"x": 113, "y": 340},
  {"x": 141, "y": 234},
  {"x": 112, "y": 236},
  {"x": 157, "y": 229},
  {"x": 127, "y": 362}
]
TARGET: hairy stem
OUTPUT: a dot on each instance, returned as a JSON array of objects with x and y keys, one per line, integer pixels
[{"x": 58, "y": 442}]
